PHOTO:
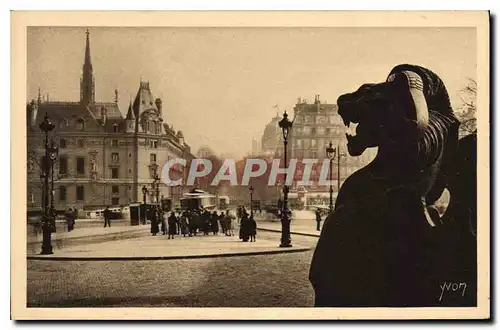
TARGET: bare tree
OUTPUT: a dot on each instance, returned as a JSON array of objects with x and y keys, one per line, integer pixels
[{"x": 467, "y": 115}]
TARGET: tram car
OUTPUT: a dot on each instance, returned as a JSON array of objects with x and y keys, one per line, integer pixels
[{"x": 197, "y": 199}]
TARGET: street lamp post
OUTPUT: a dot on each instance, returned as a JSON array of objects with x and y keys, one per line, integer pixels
[
  {"x": 286, "y": 125},
  {"x": 156, "y": 184},
  {"x": 46, "y": 126},
  {"x": 330, "y": 152},
  {"x": 53, "y": 153},
  {"x": 144, "y": 193},
  {"x": 251, "y": 200}
]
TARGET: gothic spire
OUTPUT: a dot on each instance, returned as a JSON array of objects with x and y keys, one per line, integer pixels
[
  {"x": 87, "y": 62},
  {"x": 87, "y": 88}
]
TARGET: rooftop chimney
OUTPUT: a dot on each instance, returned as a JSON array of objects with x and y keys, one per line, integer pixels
[
  {"x": 316, "y": 99},
  {"x": 104, "y": 115}
]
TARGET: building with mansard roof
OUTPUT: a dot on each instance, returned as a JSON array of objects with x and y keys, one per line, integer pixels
[
  {"x": 315, "y": 125},
  {"x": 104, "y": 157}
]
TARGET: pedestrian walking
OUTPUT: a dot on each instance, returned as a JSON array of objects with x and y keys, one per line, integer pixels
[
  {"x": 107, "y": 217},
  {"x": 172, "y": 225},
  {"x": 228, "y": 224},
  {"x": 252, "y": 228},
  {"x": 206, "y": 223},
  {"x": 244, "y": 227},
  {"x": 193, "y": 223},
  {"x": 214, "y": 223},
  {"x": 184, "y": 225},
  {"x": 155, "y": 219},
  {"x": 223, "y": 223},
  {"x": 70, "y": 218},
  {"x": 318, "y": 220}
]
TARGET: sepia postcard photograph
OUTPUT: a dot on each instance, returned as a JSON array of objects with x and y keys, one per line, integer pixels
[{"x": 332, "y": 164}]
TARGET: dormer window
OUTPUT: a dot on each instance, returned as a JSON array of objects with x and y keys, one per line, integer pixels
[
  {"x": 80, "y": 124},
  {"x": 63, "y": 123},
  {"x": 115, "y": 128}
]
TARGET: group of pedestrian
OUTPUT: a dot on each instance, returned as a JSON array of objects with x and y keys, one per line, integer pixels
[
  {"x": 192, "y": 222},
  {"x": 248, "y": 226}
]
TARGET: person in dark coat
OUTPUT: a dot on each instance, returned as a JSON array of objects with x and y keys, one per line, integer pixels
[
  {"x": 193, "y": 222},
  {"x": 223, "y": 223},
  {"x": 154, "y": 223},
  {"x": 107, "y": 217},
  {"x": 70, "y": 218},
  {"x": 244, "y": 227},
  {"x": 214, "y": 223},
  {"x": 172, "y": 225},
  {"x": 252, "y": 228},
  {"x": 206, "y": 222},
  {"x": 318, "y": 220}
]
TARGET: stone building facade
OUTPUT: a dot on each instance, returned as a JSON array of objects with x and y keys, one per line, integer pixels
[
  {"x": 315, "y": 126},
  {"x": 104, "y": 157}
]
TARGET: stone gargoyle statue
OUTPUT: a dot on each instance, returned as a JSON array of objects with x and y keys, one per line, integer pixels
[{"x": 385, "y": 244}]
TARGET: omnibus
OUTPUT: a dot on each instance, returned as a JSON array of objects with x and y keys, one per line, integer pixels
[{"x": 196, "y": 199}]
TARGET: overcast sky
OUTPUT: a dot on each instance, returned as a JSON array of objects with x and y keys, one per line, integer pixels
[{"x": 219, "y": 85}]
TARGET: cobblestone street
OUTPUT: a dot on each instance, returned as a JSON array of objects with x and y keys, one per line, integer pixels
[{"x": 279, "y": 280}]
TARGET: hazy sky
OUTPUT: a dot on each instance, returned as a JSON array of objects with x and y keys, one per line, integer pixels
[{"x": 219, "y": 85}]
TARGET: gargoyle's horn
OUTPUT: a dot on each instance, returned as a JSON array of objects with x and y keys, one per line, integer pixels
[{"x": 416, "y": 89}]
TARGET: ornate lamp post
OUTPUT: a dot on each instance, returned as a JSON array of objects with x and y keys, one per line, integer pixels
[
  {"x": 144, "y": 193},
  {"x": 251, "y": 200},
  {"x": 330, "y": 153},
  {"x": 156, "y": 184},
  {"x": 286, "y": 125},
  {"x": 53, "y": 153},
  {"x": 46, "y": 126}
]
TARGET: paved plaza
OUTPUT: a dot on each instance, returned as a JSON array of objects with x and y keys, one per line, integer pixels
[
  {"x": 239, "y": 281},
  {"x": 125, "y": 266}
]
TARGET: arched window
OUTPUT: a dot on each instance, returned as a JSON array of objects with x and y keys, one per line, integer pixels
[{"x": 80, "y": 124}]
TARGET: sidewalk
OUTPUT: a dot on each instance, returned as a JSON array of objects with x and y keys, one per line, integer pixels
[
  {"x": 160, "y": 248},
  {"x": 297, "y": 227},
  {"x": 82, "y": 236}
]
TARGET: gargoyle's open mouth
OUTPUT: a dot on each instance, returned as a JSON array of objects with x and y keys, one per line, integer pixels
[{"x": 356, "y": 139}]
